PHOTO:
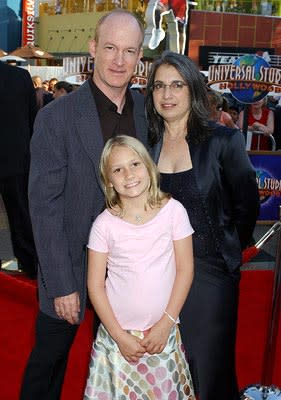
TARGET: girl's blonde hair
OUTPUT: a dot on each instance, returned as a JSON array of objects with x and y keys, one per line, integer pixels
[{"x": 155, "y": 195}]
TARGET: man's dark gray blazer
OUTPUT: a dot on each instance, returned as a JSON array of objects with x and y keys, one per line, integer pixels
[{"x": 64, "y": 190}]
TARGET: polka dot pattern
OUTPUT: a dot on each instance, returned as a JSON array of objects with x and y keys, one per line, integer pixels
[{"x": 162, "y": 376}]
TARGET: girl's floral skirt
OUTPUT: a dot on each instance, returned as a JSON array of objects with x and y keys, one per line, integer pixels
[{"x": 162, "y": 376}]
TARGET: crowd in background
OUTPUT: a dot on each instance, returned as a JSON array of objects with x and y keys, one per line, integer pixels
[
  {"x": 262, "y": 119},
  {"x": 264, "y": 116},
  {"x": 47, "y": 91}
]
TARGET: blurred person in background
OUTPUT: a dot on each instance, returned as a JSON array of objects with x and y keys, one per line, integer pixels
[
  {"x": 37, "y": 81},
  {"x": 52, "y": 83},
  {"x": 45, "y": 85},
  {"x": 277, "y": 127},
  {"x": 273, "y": 102},
  {"x": 234, "y": 113},
  {"x": 218, "y": 109},
  {"x": 43, "y": 97},
  {"x": 62, "y": 88},
  {"x": 260, "y": 120},
  {"x": 17, "y": 113}
]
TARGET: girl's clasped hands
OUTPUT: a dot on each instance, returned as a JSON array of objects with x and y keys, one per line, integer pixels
[{"x": 133, "y": 348}]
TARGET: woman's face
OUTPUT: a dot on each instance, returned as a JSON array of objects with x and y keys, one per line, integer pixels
[
  {"x": 171, "y": 94},
  {"x": 258, "y": 105}
]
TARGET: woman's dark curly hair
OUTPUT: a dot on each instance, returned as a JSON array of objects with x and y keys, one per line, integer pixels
[{"x": 197, "y": 123}]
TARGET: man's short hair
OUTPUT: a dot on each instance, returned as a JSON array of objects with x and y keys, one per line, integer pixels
[{"x": 64, "y": 85}]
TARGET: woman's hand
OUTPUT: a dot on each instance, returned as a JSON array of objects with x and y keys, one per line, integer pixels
[
  {"x": 257, "y": 126},
  {"x": 130, "y": 347}
]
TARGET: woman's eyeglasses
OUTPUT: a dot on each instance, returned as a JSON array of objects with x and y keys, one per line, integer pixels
[{"x": 175, "y": 86}]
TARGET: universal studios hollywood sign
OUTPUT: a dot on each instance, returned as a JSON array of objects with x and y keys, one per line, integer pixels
[{"x": 250, "y": 78}]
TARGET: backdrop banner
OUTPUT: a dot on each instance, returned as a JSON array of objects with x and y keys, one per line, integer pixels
[{"x": 268, "y": 170}]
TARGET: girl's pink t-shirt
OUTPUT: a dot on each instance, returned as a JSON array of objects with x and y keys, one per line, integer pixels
[{"x": 141, "y": 265}]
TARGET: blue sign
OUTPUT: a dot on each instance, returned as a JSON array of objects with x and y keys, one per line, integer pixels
[
  {"x": 253, "y": 67},
  {"x": 268, "y": 172},
  {"x": 249, "y": 79}
]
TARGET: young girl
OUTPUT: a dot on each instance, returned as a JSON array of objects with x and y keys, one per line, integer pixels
[{"x": 140, "y": 271}]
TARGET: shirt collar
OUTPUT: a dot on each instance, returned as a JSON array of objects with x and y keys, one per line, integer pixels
[{"x": 104, "y": 104}]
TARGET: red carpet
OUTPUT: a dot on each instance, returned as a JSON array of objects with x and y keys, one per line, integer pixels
[
  {"x": 18, "y": 309},
  {"x": 253, "y": 322}
]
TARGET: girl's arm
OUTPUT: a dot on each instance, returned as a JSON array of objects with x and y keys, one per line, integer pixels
[
  {"x": 128, "y": 345},
  {"x": 157, "y": 338}
]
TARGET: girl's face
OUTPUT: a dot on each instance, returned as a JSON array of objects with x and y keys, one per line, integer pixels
[
  {"x": 171, "y": 95},
  {"x": 127, "y": 173}
]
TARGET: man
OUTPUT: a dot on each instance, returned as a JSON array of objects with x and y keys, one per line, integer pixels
[
  {"x": 62, "y": 88},
  {"x": 65, "y": 192},
  {"x": 17, "y": 113}
]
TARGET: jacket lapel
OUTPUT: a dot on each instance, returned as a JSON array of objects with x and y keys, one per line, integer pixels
[
  {"x": 88, "y": 125},
  {"x": 140, "y": 119}
]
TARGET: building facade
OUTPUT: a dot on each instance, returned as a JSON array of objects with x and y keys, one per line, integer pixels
[
  {"x": 10, "y": 27},
  {"x": 64, "y": 27}
]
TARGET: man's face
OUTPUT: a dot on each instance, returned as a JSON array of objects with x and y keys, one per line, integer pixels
[{"x": 116, "y": 52}]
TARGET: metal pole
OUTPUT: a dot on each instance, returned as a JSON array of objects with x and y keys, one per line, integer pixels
[
  {"x": 245, "y": 121},
  {"x": 270, "y": 348}
]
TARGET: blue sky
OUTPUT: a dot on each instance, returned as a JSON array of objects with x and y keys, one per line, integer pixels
[{"x": 14, "y": 4}]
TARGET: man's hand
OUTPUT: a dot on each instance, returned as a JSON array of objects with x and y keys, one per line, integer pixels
[{"x": 68, "y": 307}]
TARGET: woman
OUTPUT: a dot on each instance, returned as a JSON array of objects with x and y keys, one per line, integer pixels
[
  {"x": 260, "y": 120},
  {"x": 205, "y": 166}
]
